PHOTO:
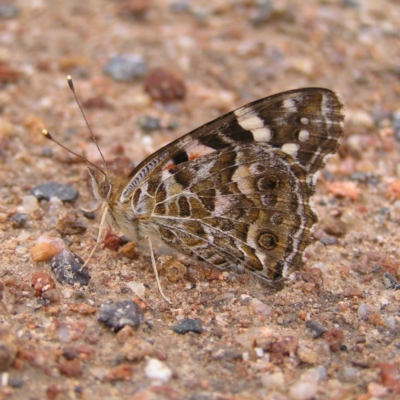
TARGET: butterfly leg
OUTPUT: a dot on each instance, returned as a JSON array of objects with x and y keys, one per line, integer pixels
[
  {"x": 153, "y": 262},
  {"x": 102, "y": 222}
]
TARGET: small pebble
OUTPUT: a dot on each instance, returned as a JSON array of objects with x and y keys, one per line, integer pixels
[
  {"x": 47, "y": 190},
  {"x": 19, "y": 220},
  {"x": 310, "y": 354},
  {"x": 42, "y": 282},
  {"x": 66, "y": 267},
  {"x": 172, "y": 269},
  {"x": 260, "y": 308},
  {"x": 156, "y": 369},
  {"x": 8, "y": 10},
  {"x": 122, "y": 372},
  {"x": 164, "y": 85},
  {"x": 363, "y": 311},
  {"x": 396, "y": 124},
  {"x": 71, "y": 223},
  {"x": 71, "y": 368},
  {"x": 263, "y": 13},
  {"x": 275, "y": 381},
  {"x": 188, "y": 325},
  {"x": 390, "y": 281},
  {"x": 137, "y": 287},
  {"x": 149, "y": 123},
  {"x": 303, "y": 390},
  {"x": 333, "y": 227},
  {"x": 30, "y": 204},
  {"x": 179, "y": 7},
  {"x": 376, "y": 390},
  {"x": 15, "y": 382},
  {"x": 116, "y": 316},
  {"x": 351, "y": 374},
  {"x": 126, "y": 68},
  {"x": 43, "y": 252},
  {"x": 112, "y": 241},
  {"x": 335, "y": 339},
  {"x": 195, "y": 273},
  {"x": 130, "y": 250},
  {"x": 315, "y": 328},
  {"x": 390, "y": 322}
]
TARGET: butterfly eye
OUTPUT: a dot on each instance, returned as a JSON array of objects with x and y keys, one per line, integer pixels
[{"x": 104, "y": 189}]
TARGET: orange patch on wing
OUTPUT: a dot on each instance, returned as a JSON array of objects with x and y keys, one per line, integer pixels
[
  {"x": 193, "y": 156},
  {"x": 169, "y": 166}
]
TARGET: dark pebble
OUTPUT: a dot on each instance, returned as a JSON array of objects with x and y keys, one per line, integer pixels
[
  {"x": 328, "y": 239},
  {"x": 47, "y": 190},
  {"x": 47, "y": 152},
  {"x": 333, "y": 227},
  {"x": 315, "y": 328},
  {"x": 89, "y": 214},
  {"x": 263, "y": 13},
  {"x": 71, "y": 352},
  {"x": 365, "y": 177},
  {"x": 116, "y": 316},
  {"x": 8, "y": 10},
  {"x": 15, "y": 382},
  {"x": 390, "y": 281},
  {"x": 396, "y": 123},
  {"x": 188, "y": 325},
  {"x": 66, "y": 267},
  {"x": 126, "y": 68},
  {"x": 180, "y": 7},
  {"x": 351, "y": 3},
  {"x": 227, "y": 353},
  {"x": 19, "y": 220},
  {"x": 148, "y": 123}
]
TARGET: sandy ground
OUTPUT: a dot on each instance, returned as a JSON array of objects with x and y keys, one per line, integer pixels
[{"x": 331, "y": 334}]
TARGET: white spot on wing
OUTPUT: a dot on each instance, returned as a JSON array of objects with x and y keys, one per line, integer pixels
[
  {"x": 304, "y": 120},
  {"x": 249, "y": 121},
  {"x": 198, "y": 150},
  {"x": 304, "y": 135},
  {"x": 262, "y": 134},
  {"x": 290, "y": 105},
  {"x": 291, "y": 149}
]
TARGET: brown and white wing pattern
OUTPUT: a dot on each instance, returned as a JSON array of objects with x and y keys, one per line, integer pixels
[{"x": 236, "y": 193}]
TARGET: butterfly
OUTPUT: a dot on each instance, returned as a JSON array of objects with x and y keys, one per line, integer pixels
[{"x": 235, "y": 193}]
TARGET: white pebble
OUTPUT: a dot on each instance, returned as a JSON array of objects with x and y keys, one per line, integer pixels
[
  {"x": 137, "y": 287},
  {"x": 303, "y": 390},
  {"x": 363, "y": 310},
  {"x": 390, "y": 322},
  {"x": 275, "y": 381},
  {"x": 260, "y": 308},
  {"x": 23, "y": 236},
  {"x": 30, "y": 203},
  {"x": 155, "y": 369},
  {"x": 259, "y": 351}
]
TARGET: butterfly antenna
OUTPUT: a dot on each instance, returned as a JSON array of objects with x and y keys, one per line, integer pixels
[
  {"x": 47, "y": 135},
  {"x": 71, "y": 86}
]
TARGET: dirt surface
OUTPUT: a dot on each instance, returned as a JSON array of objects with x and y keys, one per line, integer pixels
[{"x": 330, "y": 334}]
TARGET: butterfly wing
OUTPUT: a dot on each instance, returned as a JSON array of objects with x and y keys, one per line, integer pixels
[{"x": 237, "y": 191}]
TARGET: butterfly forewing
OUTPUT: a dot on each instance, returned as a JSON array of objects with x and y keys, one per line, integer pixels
[{"x": 236, "y": 192}]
